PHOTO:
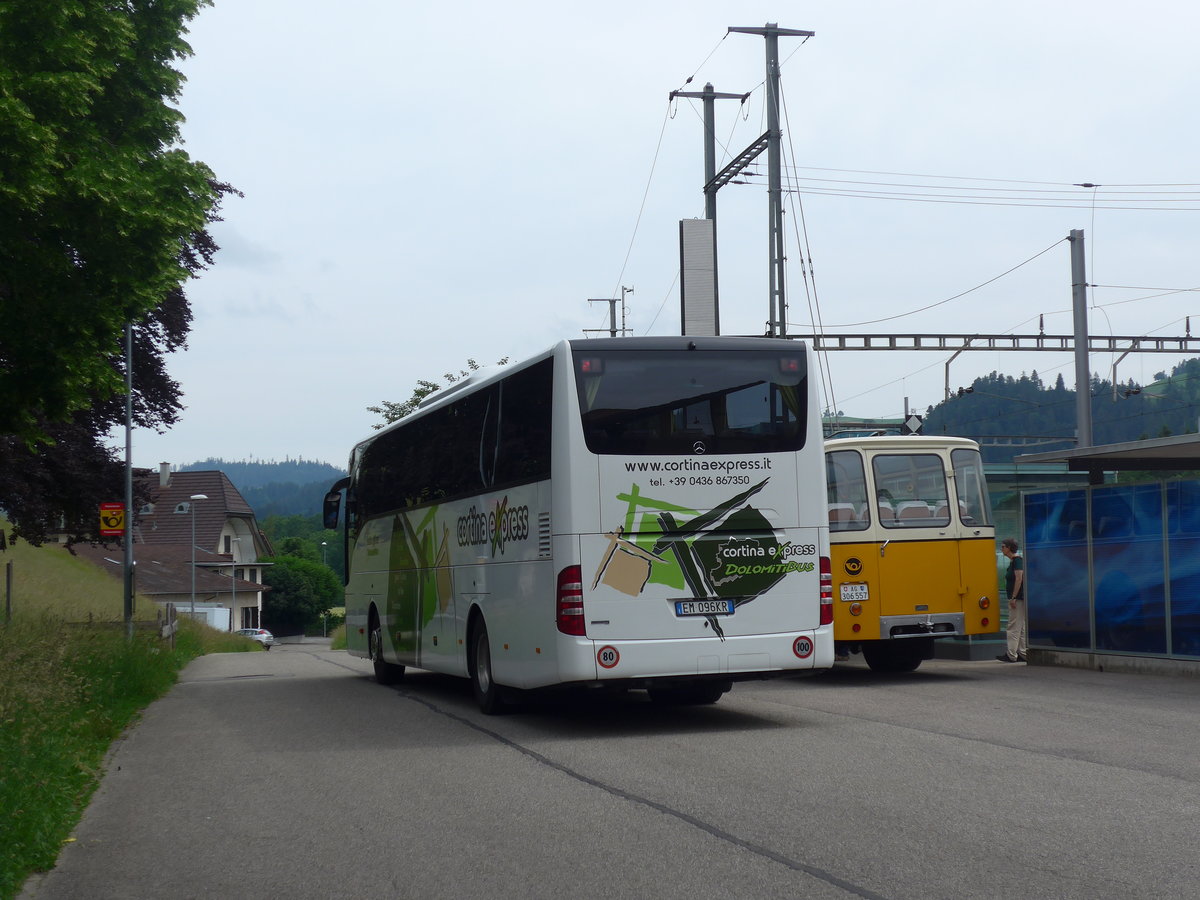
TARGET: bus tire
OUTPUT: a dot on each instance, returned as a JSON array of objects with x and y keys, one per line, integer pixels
[
  {"x": 483, "y": 684},
  {"x": 894, "y": 656},
  {"x": 702, "y": 694},
  {"x": 385, "y": 672}
]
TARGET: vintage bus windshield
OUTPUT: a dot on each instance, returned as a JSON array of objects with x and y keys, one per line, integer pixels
[{"x": 638, "y": 402}]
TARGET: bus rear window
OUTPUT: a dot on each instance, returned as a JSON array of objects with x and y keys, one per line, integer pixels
[{"x": 669, "y": 401}]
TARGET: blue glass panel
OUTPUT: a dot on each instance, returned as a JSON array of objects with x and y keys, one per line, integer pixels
[
  {"x": 1057, "y": 569},
  {"x": 1127, "y": 556},
  {"x": 1183, "y": 547}
]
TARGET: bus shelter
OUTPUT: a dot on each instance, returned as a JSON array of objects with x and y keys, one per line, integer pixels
[{"x": 1113, "y": 570}]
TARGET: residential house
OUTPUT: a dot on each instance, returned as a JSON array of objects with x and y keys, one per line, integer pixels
[{"x": 219, "y": 571}]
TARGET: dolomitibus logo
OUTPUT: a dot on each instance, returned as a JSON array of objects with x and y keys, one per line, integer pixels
[
  {"x": 497, "y": 527},
  {"x": 729, "y": 553}
]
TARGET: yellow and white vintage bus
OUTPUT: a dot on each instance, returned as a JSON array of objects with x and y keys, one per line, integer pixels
[
  {"x": 913, "y": 546},
  {"x": 626, "y": 512}
]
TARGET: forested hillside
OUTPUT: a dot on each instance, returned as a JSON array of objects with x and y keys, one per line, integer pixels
[
  {"x": 1011, "y": 415},
  {"x": 291, "y": 487}
]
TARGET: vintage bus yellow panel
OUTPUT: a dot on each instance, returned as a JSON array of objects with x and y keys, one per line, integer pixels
[{"x": 912, "y": 546}]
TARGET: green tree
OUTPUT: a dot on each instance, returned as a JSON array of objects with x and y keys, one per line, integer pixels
[
  {"x": 301, "y": 592},
  {"x": 299, "y": 548},
  {"x": 318, "y": 543},
  {"x": 102, "y": 220},
  {"x": 393, "y": 412},
  {"x": 102, "y": 215}
]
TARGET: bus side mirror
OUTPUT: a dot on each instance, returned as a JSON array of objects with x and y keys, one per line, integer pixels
[{"x": 333, "y": 505}]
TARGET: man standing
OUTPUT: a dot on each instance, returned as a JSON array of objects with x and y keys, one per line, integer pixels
[{"x": 1014, "y": 585}]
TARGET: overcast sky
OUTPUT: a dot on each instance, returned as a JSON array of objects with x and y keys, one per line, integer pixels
[{"x": 427, "y": 183}]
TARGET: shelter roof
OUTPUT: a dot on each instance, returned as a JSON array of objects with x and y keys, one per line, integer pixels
[{"x": 1180, "y": 452}]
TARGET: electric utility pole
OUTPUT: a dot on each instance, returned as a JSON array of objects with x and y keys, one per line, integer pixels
[
  {"x": 709, "y": 96},
  {"x": 612, "y": 312},
  {"x": 1083, "y": 374},
  {"x": 777, "y": 326}
]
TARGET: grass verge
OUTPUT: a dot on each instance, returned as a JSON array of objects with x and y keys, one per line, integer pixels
[{"x": 67, "y": 691}]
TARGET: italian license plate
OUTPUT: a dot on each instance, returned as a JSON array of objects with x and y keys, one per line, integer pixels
[
  {"x": 703, "y": 607},
  {"x": 851, "y": 592}
]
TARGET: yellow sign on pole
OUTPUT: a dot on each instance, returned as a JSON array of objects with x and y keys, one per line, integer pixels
[{"x": 112, "y": 519}]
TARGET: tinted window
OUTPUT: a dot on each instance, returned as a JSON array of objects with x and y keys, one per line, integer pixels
[
  {"x": 486, "y": 440},
  {"x": 668, "y": 401}
]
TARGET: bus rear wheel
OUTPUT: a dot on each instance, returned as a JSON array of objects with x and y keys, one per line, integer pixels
[
  {"x": 483, "y": 684},
  {"x": 691, "y": 695},
  {"x": 896, "y": 656},
  {"x": 385, "y": 672}
]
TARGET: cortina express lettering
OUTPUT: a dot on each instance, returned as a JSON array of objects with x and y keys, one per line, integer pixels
[{"x": 498, "y": 527}]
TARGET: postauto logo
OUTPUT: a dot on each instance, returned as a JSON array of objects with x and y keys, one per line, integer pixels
[{"x": 497, "y": 527}]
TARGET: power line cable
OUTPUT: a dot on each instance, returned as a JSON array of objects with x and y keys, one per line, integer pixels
[{"x": 948, "y": 299}]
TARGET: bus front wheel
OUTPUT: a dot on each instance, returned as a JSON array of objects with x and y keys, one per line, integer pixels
[{"x": 483, "y": 684}]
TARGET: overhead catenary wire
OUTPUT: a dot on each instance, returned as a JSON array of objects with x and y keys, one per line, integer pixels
[
  {"x": 642, "y": 206},
  {"x": 957, "y": 296},
  {"x": 807, "y": 274}
]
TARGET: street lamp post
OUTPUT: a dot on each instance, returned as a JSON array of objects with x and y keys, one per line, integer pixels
[
  {"x": 194, "y": 499},
  {"x": 324, "y": 615},
  {"x": 233, "y": 574}
]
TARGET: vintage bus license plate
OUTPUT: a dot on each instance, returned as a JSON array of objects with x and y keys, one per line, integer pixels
[
  {"x": 851, "y": 592},
  {"x": 703, "y": 607}
]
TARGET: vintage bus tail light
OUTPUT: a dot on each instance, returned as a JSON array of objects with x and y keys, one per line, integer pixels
[
  {"x": 984, "y": 621},
  {"x": 569, "y": 602},
  {"x": 826, "y": 591},
  {"x": 984, "y": 602},
  {"x": 856, "y": 608}
]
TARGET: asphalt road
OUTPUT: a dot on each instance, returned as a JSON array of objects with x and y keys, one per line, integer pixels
[{"x": 291, "y": 773}]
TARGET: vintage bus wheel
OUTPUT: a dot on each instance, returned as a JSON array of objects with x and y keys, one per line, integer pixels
[
  {"x": 893, "y": 656},
  {"x": 483, "y": 684},
  {"x": 385, "y": 672}
]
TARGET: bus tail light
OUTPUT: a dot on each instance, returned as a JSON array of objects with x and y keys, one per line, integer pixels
[
  {"x": 569, "y": 602},
  {"x": 826, "y": 592},
  {"x": 984, "y": 602}
]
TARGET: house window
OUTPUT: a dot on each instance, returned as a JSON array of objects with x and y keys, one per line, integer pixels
[{"x": 229, "y": 543}]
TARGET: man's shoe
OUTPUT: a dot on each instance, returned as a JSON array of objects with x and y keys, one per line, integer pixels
[{"x": 1003, "y": 657}]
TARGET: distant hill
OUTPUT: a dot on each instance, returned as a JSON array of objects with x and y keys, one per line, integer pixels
[
  {"x": 1010, "y": 415},
  {"x": 291, "y": 487}
]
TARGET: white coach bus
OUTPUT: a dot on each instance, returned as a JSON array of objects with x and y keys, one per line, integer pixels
[{"x": 625, "y": 512}]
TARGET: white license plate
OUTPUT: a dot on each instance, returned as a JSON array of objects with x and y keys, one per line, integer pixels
[
  {"x": 703, "y": 607},
  {"x": 851, "y": 592}
]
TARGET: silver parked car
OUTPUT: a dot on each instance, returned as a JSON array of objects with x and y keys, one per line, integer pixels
[{"x": 261, "y": 635}]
